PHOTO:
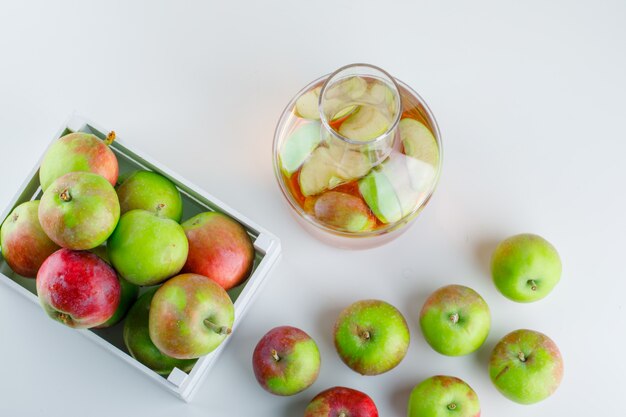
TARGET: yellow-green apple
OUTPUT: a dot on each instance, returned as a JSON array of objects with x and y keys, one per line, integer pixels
[
  {"x": 525, "y": 267},
  {"x": 24, "y": 243},
  {"x": 443, "y": 396},
  {"x": 455, "y": 320},
  {"x": 150, "y": 191},
  {"x": 190, "y": 316},
  {"x": 526, "y": 366},
  {"x": 341, "y": 402},
  {"x": 139, "y": 344},
  {"x": 371, "y": 337},
  {"x": 219, "y": 248},
  {"x": 79, "y": 210},
  {"x": 286, "y": 361},
  {"x": 77, "y": 288},
  {"x": 79, "y": 152},
  {"x": 146, "y": 248}
]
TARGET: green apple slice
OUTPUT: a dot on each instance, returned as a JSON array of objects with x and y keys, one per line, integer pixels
[
  {"x": 330, "y": 167},
  {"x": 394, "y": 189},
  {"x": 298, "y": 146},
  {"x": 307, "y": 105},
  {"x": 350, "y": 88},
  {"x": 365, "y": 124},
  {"x": 419, "y": 141}
]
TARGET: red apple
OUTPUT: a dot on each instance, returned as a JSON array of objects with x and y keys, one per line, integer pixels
[
  {"x": 24, "y": 243},
  {"x": 341, "y": 402},
  {"x": 286, "y": 361},
  {"x": 219, "y": 248},
  {"x": 78, "y": 288}
]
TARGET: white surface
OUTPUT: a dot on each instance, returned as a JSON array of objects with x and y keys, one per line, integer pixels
[{"x": 529, "y": 97}]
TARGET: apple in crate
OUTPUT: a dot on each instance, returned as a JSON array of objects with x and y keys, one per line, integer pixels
[
  {"x": 286, "y": 361},
  {"x": 78, "y": 288},
  {"x": 139, "y": 344},
  {"x": 82, "y": 152},
  {"x": 371, "y": 337},
  {"x": 443, "y": 396},
  {"x": 79, "y": 210},
  {"x": 219, "y": 248},
  {"x": 526, "y": 366},
  {"x": 455, "y": 320},
  {"x": 190, "y": 316},
  {"x": 24, "y": 243},
  {"x": 150, "y": 191},
  {"x": 341, "y": 402},
  {"x": 146, "y": 248}
]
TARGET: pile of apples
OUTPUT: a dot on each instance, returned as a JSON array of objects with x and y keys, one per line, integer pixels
[
  {"x": 91, "y": 246},
  {"x": 372, "y": 337}
]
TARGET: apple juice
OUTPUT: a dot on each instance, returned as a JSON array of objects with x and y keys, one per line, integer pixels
[{"x": 357, "y": 153}]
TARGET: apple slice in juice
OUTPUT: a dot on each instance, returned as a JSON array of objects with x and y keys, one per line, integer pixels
[
  {"x": 298, "y": 146},
  {"x": 331, "y": 166},
  {"x": 418, "y": 141},
  {"x": 394, "y": 189},
  {"x": 342, "y": 211}
]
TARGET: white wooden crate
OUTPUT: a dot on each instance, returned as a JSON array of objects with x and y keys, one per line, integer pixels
[{"x": 195, "y": 200}]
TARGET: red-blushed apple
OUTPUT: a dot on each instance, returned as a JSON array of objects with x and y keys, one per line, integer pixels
[
  {"x": 219, "y": 248},
  {"x": 190, "y": 316},
  {"x": 79, "y": 210},
  {"x": 343, "y": 211},
  {"x": 286, "y": 361},
  {"x": 78, "y": 288},
  {"x": 76, "y": 152},
  {"x": 341, "y": 402},
  {"x": 526, "y": 366},
  {"x": 139, "y": 345},
  {"x": 455, "y": 320},
  {"x": 24, "y": 243},
  {"x": 443, "y": 396},
  {"x": 371, "y": 337}
]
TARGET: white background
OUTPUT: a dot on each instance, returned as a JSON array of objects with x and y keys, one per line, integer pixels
[{"x": 530, "y": 100}]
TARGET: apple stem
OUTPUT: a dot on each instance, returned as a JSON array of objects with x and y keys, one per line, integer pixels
[
  {"x": 451, "y": 406},
  {"x": 65, "y": 195},
  {"x": 275, "y": 355},
  {"x": 221, "y": 330},
  {"x": 342, "y": 414},
  {"x": 454, "y": 318},
  {"x": 110, "y": 138},
  {"x": 533, "y": 285},
  {"x": 521, "y": 356},
  {"x": 365, "y": 335}
]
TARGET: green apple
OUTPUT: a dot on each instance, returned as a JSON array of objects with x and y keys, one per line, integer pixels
[
  {"x": 443, "y": 396},
  {"x": 455, "y": 320},
  {"x": 150, "y": 191},
  {"x": 371, "y": 337},
  {"x": 525, "y": 268},
  {"x": 286, "y": 361},
  {"x": 139, "y": 344},
  {"x": 79, "y": 210},
  {"x": 146, "y": 249},
  {"x": 299, "y": 146},
  {"x": 526, "y": 366}
]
